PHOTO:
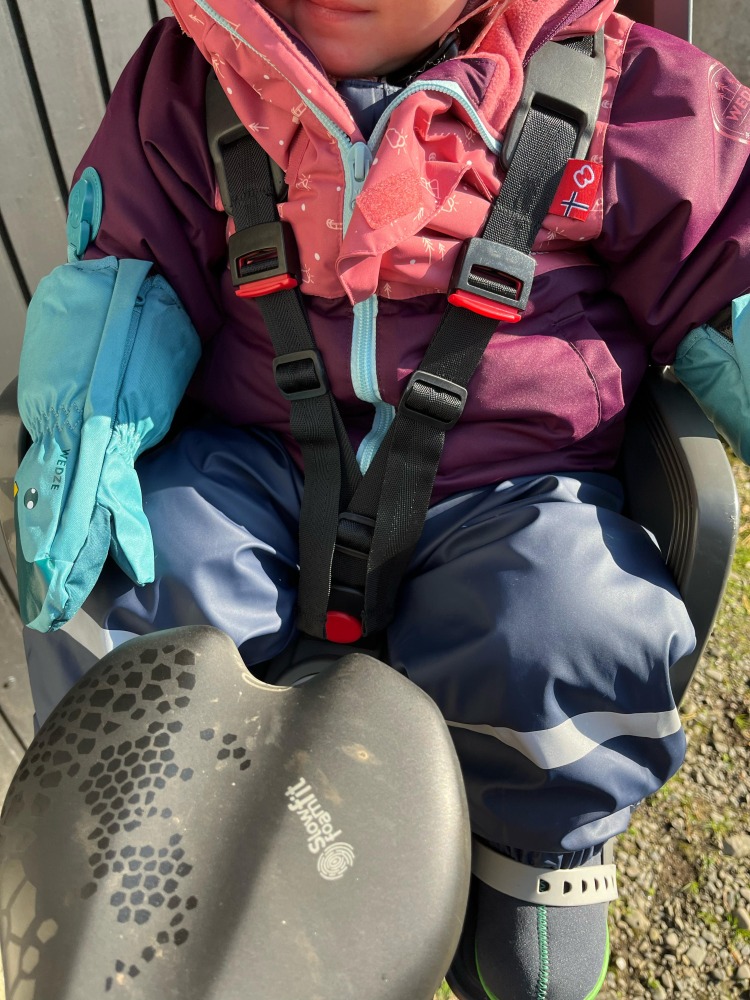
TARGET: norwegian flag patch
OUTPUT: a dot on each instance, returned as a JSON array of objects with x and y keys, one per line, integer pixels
[{"x": 576, "y": 194}]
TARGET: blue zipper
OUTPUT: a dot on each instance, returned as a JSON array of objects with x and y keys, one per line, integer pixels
[
  {"x": 441, "y": 87},
  {"x": 364, "y": 375},
  {"x": 362, "y": 362},
  {"x": 364, "y": 337}
]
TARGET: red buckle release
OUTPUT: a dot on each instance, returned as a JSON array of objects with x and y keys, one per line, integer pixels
[
  {"x": 254, "y": 289},
  {"x": 341, "y": 627},
  {"x": 485, "y": 307}
]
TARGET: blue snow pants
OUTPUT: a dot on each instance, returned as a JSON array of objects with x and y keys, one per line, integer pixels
[{"x": 541, "y": 621}]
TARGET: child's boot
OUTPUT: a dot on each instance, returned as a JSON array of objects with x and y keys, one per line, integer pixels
[{"x": 534, "y": 933}]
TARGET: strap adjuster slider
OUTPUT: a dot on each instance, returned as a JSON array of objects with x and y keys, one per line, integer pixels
[
  {"x": 300, "y": 381},
  {"x": 442, "y": 410}
]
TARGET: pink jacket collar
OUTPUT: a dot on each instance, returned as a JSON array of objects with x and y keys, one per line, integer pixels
[{"x": 435, "y": 171}]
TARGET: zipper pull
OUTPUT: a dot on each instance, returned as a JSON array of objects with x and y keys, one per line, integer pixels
[
  {"x": 357, "y": 163},
  {"x": 362, "y": 157}
]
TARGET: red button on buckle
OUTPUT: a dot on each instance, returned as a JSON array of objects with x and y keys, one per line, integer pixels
[
  {"x": 485, "y": 307},
  {"x": 254, "y": 289},
  {"x": 341, "y": 627}
]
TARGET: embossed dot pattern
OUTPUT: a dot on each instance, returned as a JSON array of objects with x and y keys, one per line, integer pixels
[{"x": 120, "y": 780}]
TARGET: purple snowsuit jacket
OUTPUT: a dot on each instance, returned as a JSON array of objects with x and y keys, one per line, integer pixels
[{"x": 665, "y": 247}]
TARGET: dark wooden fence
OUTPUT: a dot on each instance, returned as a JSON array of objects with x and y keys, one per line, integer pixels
[{"x": 59, "y": 63}]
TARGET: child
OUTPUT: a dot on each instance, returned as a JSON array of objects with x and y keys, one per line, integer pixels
[{"x": 541, "y": 620}]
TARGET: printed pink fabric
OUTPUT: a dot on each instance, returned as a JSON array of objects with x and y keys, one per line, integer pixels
[{"x": 433, "y": 178}]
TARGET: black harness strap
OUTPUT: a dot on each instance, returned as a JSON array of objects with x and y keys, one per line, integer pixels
[
  {"x": 396, "y": 490},
  {"x": 354, "y": 561},
  {"x": 331, "y": 470}
]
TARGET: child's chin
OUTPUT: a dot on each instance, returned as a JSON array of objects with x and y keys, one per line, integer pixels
[{"x": 343, "y": 65}]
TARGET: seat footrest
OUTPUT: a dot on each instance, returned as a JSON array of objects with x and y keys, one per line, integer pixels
[{"x": 543, "y": 886}]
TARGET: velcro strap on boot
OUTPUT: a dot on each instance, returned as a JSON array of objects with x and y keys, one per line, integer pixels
[{"x": 543, "y": 886}]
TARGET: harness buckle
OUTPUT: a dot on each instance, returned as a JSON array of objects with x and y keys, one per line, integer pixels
[
  {"x": 492, "y": 280},
  {"x": 263, "y": 259},
  {"x": 342, "y": 627},
  {"x": 450, "y": 394},
  {"x": 295, "y": 383},
  {"x": 346, "y": 601}
]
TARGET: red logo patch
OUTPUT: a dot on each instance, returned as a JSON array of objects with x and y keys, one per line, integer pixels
[
  {"x": 576, "y": 194},
  {"x": 730, "y": 104}
]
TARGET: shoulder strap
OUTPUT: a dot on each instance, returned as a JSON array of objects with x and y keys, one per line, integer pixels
[
  {"x": 491, "y": 283},
  {"x": 373, "y": 522},
  {"x": 264, "y": 265}
]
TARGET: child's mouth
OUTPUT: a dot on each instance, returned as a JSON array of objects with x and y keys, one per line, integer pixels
[{"x": 335, "y": 8}]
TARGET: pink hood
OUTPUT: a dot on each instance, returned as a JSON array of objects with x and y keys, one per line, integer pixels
[{"x": 434, "y": 171}]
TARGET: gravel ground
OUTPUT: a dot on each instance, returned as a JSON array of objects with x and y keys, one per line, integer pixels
[{"x": 681, "y": 927}]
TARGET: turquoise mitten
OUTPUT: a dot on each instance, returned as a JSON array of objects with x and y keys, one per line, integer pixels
[
  {"x": 716, "y": 370},
  {"x": 106, "y": 358}
]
